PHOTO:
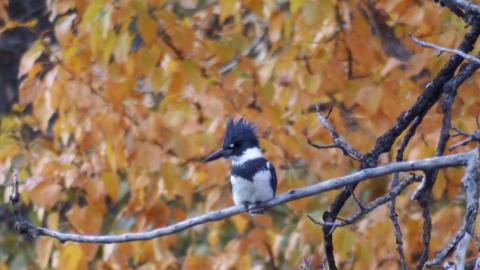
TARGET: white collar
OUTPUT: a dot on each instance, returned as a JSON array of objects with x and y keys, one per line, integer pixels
[{"x": 248, "y": 154}]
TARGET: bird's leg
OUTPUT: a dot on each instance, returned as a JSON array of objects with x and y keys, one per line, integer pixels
[
  {"x": 255, "y": 208},
  {"x": 247, "y": 205}
]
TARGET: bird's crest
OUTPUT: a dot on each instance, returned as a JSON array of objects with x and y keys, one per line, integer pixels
[{"x": 242, "y": 130}]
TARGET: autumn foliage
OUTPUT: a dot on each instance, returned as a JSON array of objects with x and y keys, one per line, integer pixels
[{"x": 118, "y": 105}]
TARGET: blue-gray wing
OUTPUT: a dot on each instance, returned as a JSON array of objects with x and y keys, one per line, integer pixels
[{"x": 273, "y": 179}]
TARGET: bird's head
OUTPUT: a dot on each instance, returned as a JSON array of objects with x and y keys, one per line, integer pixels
[{"x": 239, "y": 137}]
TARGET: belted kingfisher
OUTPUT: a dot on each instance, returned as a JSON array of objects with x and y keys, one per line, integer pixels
[{"x": 252, "y": 178}]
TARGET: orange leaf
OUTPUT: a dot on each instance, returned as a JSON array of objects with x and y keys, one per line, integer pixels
[
  {"x": 176, "y": 83},
  {"x": 148, "y": 29},
  {"x": 195, "y": 262},
  {"x": 87, "y": 219},
  {"x": 43, "y": 248},
  {"x": 157, "y": 213},
  {"x": 111, "y": 184},
  {"x": 46, "y": 195}
]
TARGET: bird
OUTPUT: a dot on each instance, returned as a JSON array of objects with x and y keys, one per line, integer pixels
[{"x": 253, "y": 179}]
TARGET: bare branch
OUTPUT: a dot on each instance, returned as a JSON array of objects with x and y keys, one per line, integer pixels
[
  {"x": 469, "y": 183},
  {"x": 469, "y": 138},
  {"x": 467, "y": 6},
  {"x": 384, "y": 143},
  {"x": 441, "y": 255},
  {"x": 429, "y": 163},
  {"x": 370, "y": 207},
  {"x": 440, "y": 49},
  {"x": 347, "y": 149},
  {"x": 427, "y": 227},
  {"x": 394, "y": 218}
]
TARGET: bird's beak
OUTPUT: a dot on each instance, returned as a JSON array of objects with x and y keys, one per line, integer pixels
[{"x": 215, "y": 155}]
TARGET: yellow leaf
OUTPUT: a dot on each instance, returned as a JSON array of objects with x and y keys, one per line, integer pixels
[
  {"x": 343, "y": 241},
  {"x": 213, "y": 237},
  {"x": 108, "y": 46},
  {"x": 240, "y": 222},
  {"x": 244, "y": 262},
  {"x": 96, "y": 41},
  {"x": 71, "y": 256},
  {"x": 110, "y": 182},
  {"x": 52, "y": 220},
  {"x": 296, "y": 5},
  {"x": 440, "y": 185},
  {"x": 8, "y": 147},
  {"x": 254, "y": 5},
  {"x": 122, "y": 48},
  {"x": 170, "y": 174},
  {"x": 227, "y": 7},
  {"x": 139, "y": 6},
  {"x": 194, "y": 74},
  {"x": 91, "y": 12}
]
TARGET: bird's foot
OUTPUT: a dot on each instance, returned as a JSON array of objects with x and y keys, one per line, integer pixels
[{"x": 256, "y": 209}]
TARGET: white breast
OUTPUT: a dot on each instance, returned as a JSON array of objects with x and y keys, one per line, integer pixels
[
  {"x": 242, "y": 190},
  {"x": 258, "y": 190},
  {"x": 263, "y": 190}
]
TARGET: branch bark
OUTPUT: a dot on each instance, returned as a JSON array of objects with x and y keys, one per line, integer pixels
[{"x": 24, "y": 226}]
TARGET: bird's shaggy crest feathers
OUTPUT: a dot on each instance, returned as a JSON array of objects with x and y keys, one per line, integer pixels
[{"x": 240, "y": 130}]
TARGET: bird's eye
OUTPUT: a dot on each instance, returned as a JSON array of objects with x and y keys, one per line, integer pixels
[{"x": 232, "y": 145}]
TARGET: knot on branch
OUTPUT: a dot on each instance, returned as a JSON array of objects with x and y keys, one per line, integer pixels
[
  {"x": 24, "y": 227},
  {"x": 14, "y": 198}
]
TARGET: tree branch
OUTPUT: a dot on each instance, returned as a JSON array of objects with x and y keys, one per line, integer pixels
[
  {"x": 370, "y": 207},
  {"x": 425, "y": 101},
  {"x": 440, "y": 49},
  {"x": 469, "y": 184},
  {"x": 346, "y": 148},
  {"x": 385, "y": 142},
  {"x": 357, "y": 177}
]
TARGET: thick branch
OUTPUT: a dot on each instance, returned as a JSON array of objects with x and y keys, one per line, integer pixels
[
  {"x": 424, "y": 101},
  {"x": 468, "y": 11},
  {"x": 429, "y": 163},
  {"x": 384, "y": 143}
]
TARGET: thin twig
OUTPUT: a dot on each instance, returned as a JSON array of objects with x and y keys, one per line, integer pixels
[
  {"x": 443, "y": 49},
  {"x": 469, "y": 184},
  {"x": 370, "y": 207},
  {"x": 346, "y": 148},
  {"x": 427, "y": 228}
]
